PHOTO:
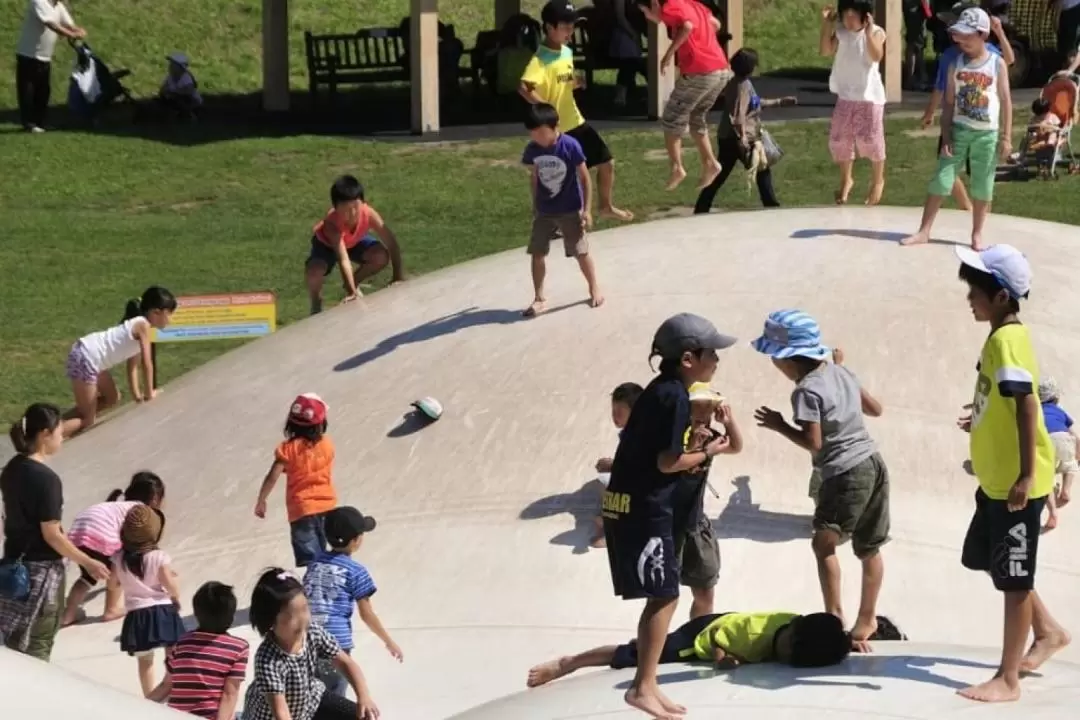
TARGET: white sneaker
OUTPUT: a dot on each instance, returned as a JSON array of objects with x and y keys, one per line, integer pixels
[{"x": 37, "y": 130}]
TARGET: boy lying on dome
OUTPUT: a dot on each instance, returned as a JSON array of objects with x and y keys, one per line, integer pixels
[{"x": 729, "y": 640}]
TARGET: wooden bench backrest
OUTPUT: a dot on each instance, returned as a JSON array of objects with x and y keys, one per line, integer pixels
[{"x": 369, "y": 49}]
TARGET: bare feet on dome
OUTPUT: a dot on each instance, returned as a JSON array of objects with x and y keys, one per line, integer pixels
[{"x": 995, "y": 690}]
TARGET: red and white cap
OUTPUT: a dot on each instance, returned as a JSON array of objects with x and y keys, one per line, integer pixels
[{"x": 308, "y": 409}]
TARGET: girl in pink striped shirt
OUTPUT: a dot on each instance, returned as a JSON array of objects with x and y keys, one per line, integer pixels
[{"x": 96, "y": 531}]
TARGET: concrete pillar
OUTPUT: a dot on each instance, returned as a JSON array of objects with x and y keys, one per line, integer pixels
[
  {"x": 504, "y": 10},
  {"x": 424, "y": 58},
  {"x": 275, "y": 47},
  {"x": 889, "y": 14},
  {"x": 660, "y": 86},
  {"x": 733, "y": 16}
]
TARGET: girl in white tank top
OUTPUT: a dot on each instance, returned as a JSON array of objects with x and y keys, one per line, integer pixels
[{"x": 93, "y": 355}]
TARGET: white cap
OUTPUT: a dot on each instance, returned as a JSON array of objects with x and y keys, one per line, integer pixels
[
  {"x": 1005, "y": 263},
  {"x": 971, "y": 21},
  {"x": 430, "y": 407}
]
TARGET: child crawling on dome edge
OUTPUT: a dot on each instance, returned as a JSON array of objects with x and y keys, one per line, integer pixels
[{"x": 729, "y": 640}]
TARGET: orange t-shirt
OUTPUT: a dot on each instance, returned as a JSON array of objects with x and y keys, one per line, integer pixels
[
  {"x": 308, "y": 488},
  {"x": 351, "y": 236}
]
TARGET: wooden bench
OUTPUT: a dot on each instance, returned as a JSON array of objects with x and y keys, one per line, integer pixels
[{"x": 372, "y": 55}]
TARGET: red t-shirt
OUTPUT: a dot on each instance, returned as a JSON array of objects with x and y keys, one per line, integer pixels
[
  {"x": 200, "y": 665},
  {"x": 701, "y": 53}
]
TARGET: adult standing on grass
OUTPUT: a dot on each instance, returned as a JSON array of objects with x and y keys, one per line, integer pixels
[
  {"x": 1068, "y": 31},
  {"x": 704, "y": 72},
  {"x": 33, "y": 501},
  {"x": 857, "y": 47},
  {"x": 45, "y": 20}
]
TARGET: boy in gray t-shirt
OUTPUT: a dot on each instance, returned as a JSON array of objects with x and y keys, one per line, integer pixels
[{"x": 853, "y": 502}]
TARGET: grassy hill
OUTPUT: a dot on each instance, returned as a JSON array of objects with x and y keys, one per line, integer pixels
[{"x": 224, "y": 37}]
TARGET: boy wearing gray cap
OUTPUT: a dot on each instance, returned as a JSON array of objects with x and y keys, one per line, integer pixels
[{"x": 637, "y": 506}]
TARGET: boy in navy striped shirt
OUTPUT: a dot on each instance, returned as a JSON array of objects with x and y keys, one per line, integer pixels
[
  {"x": 205, "y": 669},
  {"x": 334, "y": 582}
]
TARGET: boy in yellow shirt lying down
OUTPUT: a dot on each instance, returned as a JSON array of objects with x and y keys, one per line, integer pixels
[{"x": 729, "y": 640}]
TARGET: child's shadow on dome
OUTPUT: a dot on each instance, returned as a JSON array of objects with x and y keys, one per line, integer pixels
[
  {"x": 743, "y": 518},
  {"x": 583, "y": 505}
]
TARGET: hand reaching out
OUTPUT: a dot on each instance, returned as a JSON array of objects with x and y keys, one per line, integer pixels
[
  {"x": 769, "y": 418},
  {"x": 838, "y": 356}
]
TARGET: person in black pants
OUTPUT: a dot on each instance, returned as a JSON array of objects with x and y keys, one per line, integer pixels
[
  {"x": 740, "y": 130},
  {"x": 45, "y": 20}
]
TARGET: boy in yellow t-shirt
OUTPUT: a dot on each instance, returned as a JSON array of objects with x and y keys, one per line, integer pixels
[
  {"x": 728, "y": 640},
  {"x": 1013, "y": 459},
  {"x": 549, "y": 78}
]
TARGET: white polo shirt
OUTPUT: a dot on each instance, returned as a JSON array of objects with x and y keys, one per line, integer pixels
[{"x": 37, "y": 41}]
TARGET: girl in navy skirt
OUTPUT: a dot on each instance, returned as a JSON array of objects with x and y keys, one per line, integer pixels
[{"x": 151, "y": 595}]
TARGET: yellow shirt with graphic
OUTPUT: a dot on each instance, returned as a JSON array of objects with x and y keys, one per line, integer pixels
[
  {"x": 552, "y": 74},
  {"x": 747, "y": 636},
  {"x": 1007, "y": 368}
]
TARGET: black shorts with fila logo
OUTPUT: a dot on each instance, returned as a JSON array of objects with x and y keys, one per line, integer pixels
[
  {"x": 1004, "y": 544},
  {"x": 641, "y": 554}
]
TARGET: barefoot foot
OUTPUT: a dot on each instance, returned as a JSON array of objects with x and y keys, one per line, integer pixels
[
  {"x": 73, "y": 618},
  {"x": 670, "y": 705},
  {"x": 863, "y": 630},
  {"x": 649, "y": 704},
  {"x": 112, "y": 614},
  {"x": 919, "y": 238},
  {"x": 677, "y": 176},
  {"x": 616, "y": 213},
  {"x": 1043, "y": 649},
  {"x": 996, "y": 690},
  {"x": 546, "y": 672},
  {"x": 874, "y": 196},
  {"x": 596, "y": 299},
  {"x": 535, "y": 309},
  {"x": 976, "y": 242},
  {"x": 841, "y": 195},
  {"x": 1051, "y": 523},
  {"x": 598, "y": 542},
  {"x": 708, "y": 174}
]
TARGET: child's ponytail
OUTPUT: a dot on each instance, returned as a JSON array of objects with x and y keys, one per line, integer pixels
[
  {"x": 38, "y": 418},
  {"x": 145, "y": 487},
  {"x": 154, "y": 298},
  {"x": 131, "y": 310},
  {"x": 115, "y": 495}
]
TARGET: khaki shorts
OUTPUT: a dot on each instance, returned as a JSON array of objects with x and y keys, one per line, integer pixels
[
  {"x": 855, "y": 505},
  {"x": 1065, "y": 451},
  {"x": 568, "y": 226},
  {"x": 699, "y": 556}
]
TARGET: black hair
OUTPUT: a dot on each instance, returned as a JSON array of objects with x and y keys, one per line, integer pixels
[
  {"x": 1040, "y": 106},
  {"x": 818, "y": 640},
  {"x": 805, "y": 364},
  {"x": 311, "y": 433},
  {"x": 541, "y": 115},
  {"x": 887, "y": 630},
  {"x": 346, "y": 189},
  {"x": 862, "y": 7},
  {"x": 670, "y": 366},
  {"x": 36, "y": 419},
  {"x": 627, "y": 394},
  {"x": 987, "y": 284},
  {"x": 273, "y": 591},
  {"x": 744, "y": 62},
  {"x": 215, "y": 607},
  {"x": 145, "y": 487},
  {"x": 133, "y": 560},
  {"x": 154, "y": 298}
]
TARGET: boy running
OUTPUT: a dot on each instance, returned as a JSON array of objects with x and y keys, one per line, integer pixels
[
  {"x": 344, "y": 237},
  {"x": 637, "y": 506},
  {"x": 549, "y": 78},
  {"x": 562, "y": 204},
  {"x": 1013, "y": 458},
  {"x": 828, "y": 405}
]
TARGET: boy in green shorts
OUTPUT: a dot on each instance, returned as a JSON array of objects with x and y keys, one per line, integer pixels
[
  {"x": 1013, "y": 458},
  {"x": 728, "y": 640},
  {"x": 977, "y": 113}
]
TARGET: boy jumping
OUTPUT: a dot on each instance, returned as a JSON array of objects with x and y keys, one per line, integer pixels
[
  {"x": 637, "y": 505},
  {"x": 344, "y": 237},
  {"x": 562, "y": 204},
  {"x": 1013, "y": 458},
  {"x": 549, "y": 78}
]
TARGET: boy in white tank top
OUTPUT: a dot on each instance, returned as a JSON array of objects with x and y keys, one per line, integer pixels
[{"x": 977, "y": 113}]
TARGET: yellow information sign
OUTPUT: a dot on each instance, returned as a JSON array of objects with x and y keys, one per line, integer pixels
[{"x": 220, "y": 317}]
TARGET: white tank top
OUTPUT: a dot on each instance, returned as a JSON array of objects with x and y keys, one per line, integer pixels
[
  {"x": 111, "y": 347},
  {"x": 976, "y": 105},
  {"x": 854, "y": 75}
]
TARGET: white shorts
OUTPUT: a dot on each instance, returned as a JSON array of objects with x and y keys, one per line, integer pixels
[{"x": 1065, "y": 450}]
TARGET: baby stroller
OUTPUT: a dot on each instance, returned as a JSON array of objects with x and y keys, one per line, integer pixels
[
  {"x": 1062, "y": 91},
  {"x": 93, "y": 85}
]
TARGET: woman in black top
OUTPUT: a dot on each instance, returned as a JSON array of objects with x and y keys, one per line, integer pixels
[{"x": 33, "y": 502}]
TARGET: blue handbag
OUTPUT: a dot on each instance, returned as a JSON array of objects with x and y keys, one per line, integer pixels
[{"x": 14, "y": 581}]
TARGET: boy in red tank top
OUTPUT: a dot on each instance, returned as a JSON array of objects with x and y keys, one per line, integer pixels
[{"x": 351, "y": 232}]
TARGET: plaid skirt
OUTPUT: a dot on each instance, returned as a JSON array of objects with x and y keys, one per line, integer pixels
[{"x": 18, "y": 616}]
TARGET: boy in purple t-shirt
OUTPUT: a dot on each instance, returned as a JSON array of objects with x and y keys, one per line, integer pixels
[{"x": 562, "y": 201}]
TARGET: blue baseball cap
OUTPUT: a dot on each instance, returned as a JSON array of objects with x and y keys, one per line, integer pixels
[{"x": 790, "y": 333}]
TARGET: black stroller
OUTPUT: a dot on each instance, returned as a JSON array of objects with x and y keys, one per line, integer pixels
[{"x": 93, "y": 85}]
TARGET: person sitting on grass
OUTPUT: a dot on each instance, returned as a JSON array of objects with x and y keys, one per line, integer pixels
[
  {"x": 345, "y": 237},
  {"x": 728, "y": 640},
  {"x": 179, "y": 93}
]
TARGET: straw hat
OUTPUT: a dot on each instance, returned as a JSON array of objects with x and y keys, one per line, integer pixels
[{"x": 142, "y": 529}]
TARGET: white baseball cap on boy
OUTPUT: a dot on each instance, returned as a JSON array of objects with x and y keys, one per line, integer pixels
[
  {"x": 1007, "y": 264},
  {"x": 971, "y": 21}
]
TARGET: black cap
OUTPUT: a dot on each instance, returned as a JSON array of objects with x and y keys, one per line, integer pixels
[
  {"x": 687, "y": 332},
  {"x": 559, "y": 11},
  {"x": 343, "y": 524}
]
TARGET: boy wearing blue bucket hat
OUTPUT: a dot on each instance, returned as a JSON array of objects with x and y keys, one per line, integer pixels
[{"x": 828, "y": 405}]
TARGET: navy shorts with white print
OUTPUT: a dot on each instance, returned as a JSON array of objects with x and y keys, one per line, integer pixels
[
  {"x": 643, "y": 565},
  {"x": 1004, "y": 544}
]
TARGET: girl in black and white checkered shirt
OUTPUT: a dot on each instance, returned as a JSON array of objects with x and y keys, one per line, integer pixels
[{"x": 286, "y": 684}]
